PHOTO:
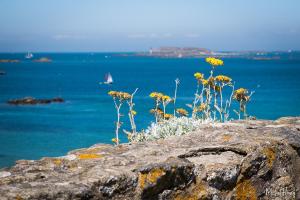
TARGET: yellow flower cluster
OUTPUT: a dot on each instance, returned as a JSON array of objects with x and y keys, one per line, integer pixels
[
  {"x": 119, "y": 95},
  {"x": 158, "y": 111},
  {"x": 168, "y": 116},
  {"x": 115, "y": 140},
  {"x": 241, "y": 94},
  {"x": 223, "y": 79},
  {"x": 160, "y": 97},
  {"x": 182, "y": 112},
  {"x": 204, "y": 82},
  {"x": 202, "y": 107},
  {"x": 199, "y": 76},
  {"x": 214, "y": 61},
  {"x": 166, "y": 98},
  {"x": 156, "y": 95}
]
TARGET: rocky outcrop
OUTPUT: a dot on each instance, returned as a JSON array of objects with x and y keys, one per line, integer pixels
[
  {"x": 43, "y": 60},
  {"x": 33, "y": 101},
  {"x": 9, "y": 61},
  {"x": 236, "y": 160}
]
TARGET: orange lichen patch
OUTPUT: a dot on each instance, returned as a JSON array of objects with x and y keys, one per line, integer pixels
[
  {"x": 226, "y": 138},
  {"x": 57, "y": 161},
  {"x": 92, "y": 150},
  {"x": 198, "y": 191},
  {"x": 270, "y": 154},
  {"x": 87, "y": 156},
  {"x": 245, "y": 191},
  {"x": 18, "y": 197},
  {"x": 150, "y": 177}
]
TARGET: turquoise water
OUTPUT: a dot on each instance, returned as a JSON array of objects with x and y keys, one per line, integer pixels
[{"x": 87, "y": 117}]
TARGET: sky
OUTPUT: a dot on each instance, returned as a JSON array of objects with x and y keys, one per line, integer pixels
[{"x": 137, "y": 25}]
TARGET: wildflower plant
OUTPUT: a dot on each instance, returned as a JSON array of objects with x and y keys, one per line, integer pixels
[
  {"x": 160, "y": 99},
  {"x": 243, "y": 97},
  {"x": 209, "y": 105},
  {"x": 157, "y": 97},
  {"x": 182, "y": 112},
  {"x": 131, "y": 114},
  {"x": 118, "y": 98}
]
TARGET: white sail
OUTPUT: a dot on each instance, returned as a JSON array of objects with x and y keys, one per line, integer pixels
[
  {"x": 109, "y": 78},
  {"x": 29, "y": 55}
]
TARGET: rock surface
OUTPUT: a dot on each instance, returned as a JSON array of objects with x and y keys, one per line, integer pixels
[{"x": 236, "y": 160}]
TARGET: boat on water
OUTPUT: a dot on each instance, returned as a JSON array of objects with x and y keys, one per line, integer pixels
[
  {"x": 108, "y": 80},
  {"x": 29, "y": 55}
]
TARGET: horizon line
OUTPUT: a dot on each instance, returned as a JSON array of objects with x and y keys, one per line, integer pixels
[{"x": 51, "y": 51}]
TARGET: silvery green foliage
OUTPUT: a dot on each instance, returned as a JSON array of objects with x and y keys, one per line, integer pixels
[{"x": 174, "y": 126}]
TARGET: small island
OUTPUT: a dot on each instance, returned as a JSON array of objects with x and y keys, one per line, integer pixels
[
  {"x": 43, "y": 60},
  {"x": 9, "y": 61},
  {"x": 33, "y": 101}
]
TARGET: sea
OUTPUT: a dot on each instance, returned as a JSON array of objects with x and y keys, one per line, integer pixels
[{"x": 88, "y": 115}]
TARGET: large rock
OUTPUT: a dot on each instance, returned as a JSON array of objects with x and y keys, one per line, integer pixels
[
  {"x": 33, "y": 101},
  {"x": 237, "y": 160}
]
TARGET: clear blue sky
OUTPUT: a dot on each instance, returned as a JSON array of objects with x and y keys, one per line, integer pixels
[{"x": 130, "y": 25}]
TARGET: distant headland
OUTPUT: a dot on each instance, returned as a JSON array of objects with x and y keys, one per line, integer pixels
[{"x": 195, "y": 52}]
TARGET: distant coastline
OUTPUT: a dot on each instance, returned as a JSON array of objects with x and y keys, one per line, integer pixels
[{"x": 195, "y": 52}]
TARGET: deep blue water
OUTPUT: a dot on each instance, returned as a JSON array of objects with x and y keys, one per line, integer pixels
[{"x": 87, "y": 117}]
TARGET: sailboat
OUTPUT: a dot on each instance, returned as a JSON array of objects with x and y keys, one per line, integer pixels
[
  {"x": 29, "y": 55},
  {"x": 108, "y": 80}
]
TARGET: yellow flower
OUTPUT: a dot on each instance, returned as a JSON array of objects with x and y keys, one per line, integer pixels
[
  {"x": 198, "y": 76},
  {"x": 119, "y": 95},
  {"x": 202, "y": 107},
  {"x": 204, "y": 82},
  {"x": 113, "y": 93},
  {"x": 182, "y": 112},
  {"x": 214, "y": 61},
  {"x": 133, "y": 112},
  {"x": 115, "y": 140},
  {"x": 158, "y": 111},
  {"x": 241, "y": 94},
  {"x": 156, "y": 95},
  {"x": 166, "y": 98},
  {"x": 168, "y": 116},
  {"x": 124, "y": 95},
  {"x": 223, "y": 79}
]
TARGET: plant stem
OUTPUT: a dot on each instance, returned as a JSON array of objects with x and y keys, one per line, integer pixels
[
  {"x": 175, "y": 95},
  {"x": 156, "y": 110},
  {"x": 195, "y": 101},
  {"x": 131, "y": 115},
  {"x": 118, "y": 125}
]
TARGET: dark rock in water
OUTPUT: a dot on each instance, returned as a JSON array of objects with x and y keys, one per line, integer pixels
[
  {"x": 2, "y": 72},
  {"x": 33, "y": 101},
  {"x": 236, "y": 160}
]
